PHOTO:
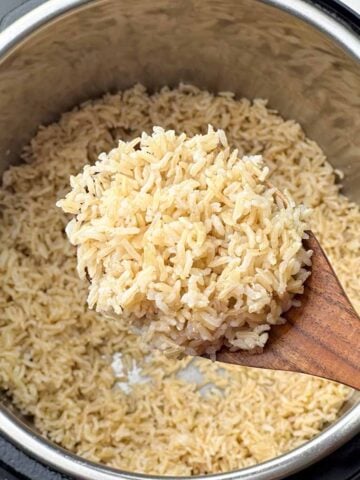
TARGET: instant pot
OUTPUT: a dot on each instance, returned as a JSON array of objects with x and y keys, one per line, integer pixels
[{"x": 304, "y": 56}]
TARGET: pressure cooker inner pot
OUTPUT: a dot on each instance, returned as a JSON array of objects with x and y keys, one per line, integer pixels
[{"x": 251, "y": 48}]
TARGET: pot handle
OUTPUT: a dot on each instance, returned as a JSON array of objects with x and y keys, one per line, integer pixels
[{"x": 11, "y": 10}]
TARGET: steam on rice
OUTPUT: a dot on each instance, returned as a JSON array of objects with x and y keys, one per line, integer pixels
[{"x": 56, "y": 353}]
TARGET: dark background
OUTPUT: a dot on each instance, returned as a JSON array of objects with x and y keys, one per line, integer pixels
[{"x": 344, "y": 464}]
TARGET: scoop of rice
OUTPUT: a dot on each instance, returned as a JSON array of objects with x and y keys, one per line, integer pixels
[{"x": 188, "y": 241}]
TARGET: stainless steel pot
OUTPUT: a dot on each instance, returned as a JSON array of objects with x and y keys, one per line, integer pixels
[{"x": 305, "y": 61}]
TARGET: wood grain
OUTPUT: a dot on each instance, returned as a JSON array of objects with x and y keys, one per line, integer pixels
[{"x": 321, "y": 337}]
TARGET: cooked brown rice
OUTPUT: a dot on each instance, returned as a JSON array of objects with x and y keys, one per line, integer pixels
[
  {"x": 188, "y": 241},
  {"x": 56, "y": 354}
]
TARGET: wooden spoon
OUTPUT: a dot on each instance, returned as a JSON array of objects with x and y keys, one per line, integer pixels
[{"x": 321, "y": 337}]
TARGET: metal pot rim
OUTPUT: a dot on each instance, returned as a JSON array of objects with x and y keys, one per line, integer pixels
[{"x": 48, "y": 453}]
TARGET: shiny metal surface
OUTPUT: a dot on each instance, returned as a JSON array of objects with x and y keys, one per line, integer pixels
[
  {"x": 302, "y": 59},
  {"x": 251, "y": 48}
]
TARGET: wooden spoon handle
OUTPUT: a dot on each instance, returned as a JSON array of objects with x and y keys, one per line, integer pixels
[{"x": 321, "y": 337}]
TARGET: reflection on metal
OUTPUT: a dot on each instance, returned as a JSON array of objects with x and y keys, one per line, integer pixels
[{"x": 298, "y": 57}]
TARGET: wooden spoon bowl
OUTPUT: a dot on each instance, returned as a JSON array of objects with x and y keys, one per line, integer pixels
[{"x": 321, "y": 337}]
